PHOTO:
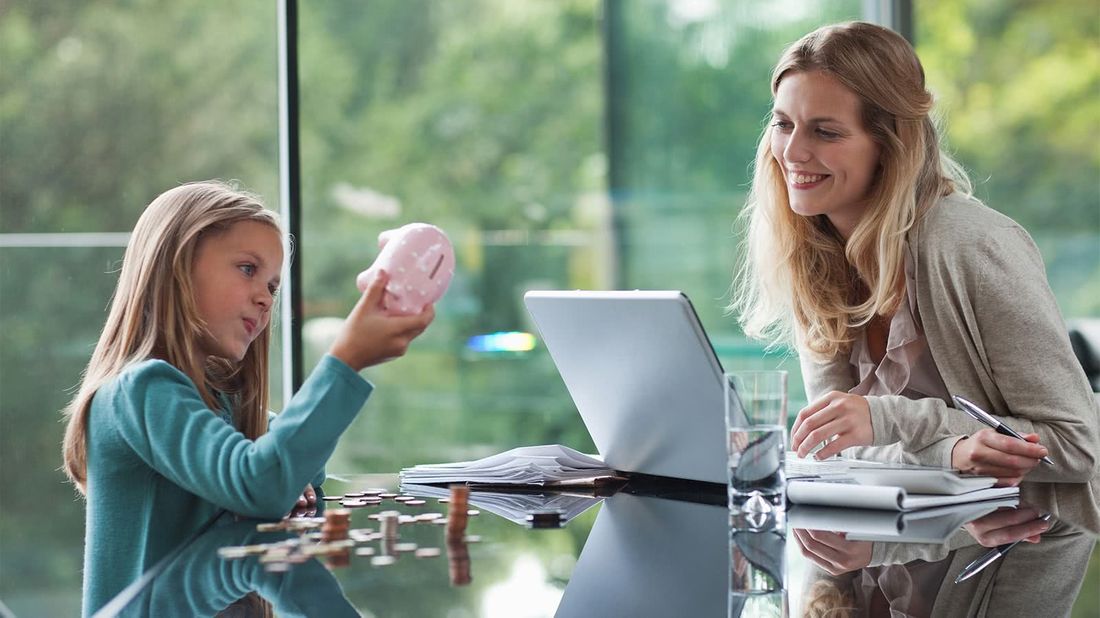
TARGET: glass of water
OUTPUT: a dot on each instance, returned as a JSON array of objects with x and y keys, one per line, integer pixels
[
  {"x": 756, "y": 430},
  {"x": 757, "y": 573}
]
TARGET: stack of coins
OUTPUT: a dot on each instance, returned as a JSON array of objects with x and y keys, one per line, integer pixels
[
  {"x": 390, "y": 521},
  {"x": 335, "y": 528},
  {"x": 458, "y": 511}
]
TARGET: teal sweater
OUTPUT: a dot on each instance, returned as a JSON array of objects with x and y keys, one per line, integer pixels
[{"x": 161, "y": 463}]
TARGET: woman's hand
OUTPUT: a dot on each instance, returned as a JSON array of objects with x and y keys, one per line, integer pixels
[
  {"x": 1008, "y": 526},
  {"x": 989, "y": 453},
  {"x": 832, "y": 551},
  {"x": 846, "y": 416},
  {"x": 370, "y": 335}
]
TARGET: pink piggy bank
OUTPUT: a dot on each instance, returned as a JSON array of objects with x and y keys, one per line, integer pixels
[{"x": 420, "y": 261}]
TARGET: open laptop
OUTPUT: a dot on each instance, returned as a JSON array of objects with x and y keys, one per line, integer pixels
[{"x": 643, "y": 376}]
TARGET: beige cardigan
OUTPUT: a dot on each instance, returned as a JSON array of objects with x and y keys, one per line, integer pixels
[{"x": 997, "y": 337}]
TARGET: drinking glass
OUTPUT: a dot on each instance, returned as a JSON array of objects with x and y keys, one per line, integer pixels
[{"x": 756, "y": 430}]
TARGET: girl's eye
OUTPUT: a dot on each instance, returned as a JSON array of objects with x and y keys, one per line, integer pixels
[
  {"x": 782, "y": 125},
  {"x": 273, "y": 289},
  {"x": 248, "y": 269}
]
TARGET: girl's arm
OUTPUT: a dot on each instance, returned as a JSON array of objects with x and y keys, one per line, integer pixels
[{"x": 158, "y": 412}]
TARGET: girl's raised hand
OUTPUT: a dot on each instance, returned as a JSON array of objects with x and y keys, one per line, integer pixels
[
  {"x": 846, "y": 416},
  {"x": 370, "y": 335}
]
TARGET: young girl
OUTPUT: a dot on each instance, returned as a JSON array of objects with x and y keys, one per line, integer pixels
[
  {"x": 170, "y": 424},
  {"x": 866, "y": 250}
]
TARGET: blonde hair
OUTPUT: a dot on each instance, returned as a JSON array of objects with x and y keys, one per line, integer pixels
[
  {"x": 798, "y": 280},
  {"x": 153, "y": 313},
  {"x": 826, "y": 599}
]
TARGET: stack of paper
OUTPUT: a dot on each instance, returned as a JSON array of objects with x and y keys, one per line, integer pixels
[
  {"x": 551, "y": 464},
  {"x": 513, "y": 505}
]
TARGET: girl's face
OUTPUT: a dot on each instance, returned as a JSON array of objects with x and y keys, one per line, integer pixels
[
  {"x": 827, "y": 158},
  {"x": 235, "y": 276}
]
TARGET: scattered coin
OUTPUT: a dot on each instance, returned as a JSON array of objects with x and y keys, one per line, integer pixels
[
  {"x": 473, "y": 512},
  {"x": 404, "y": 498},
  {"x": 414, "y": 502},
  {"x": 404, "y": 547},
  {"x": 427, "y": 552},
  {"x": 473, "y": 538},
  {"x": 382, "y": 560},
  {"x": 387, "y": 495},
  {"x": 364, "y": 551}
]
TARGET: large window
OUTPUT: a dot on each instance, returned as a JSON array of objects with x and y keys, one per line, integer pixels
[
  {"x": 483, "y": 118},
  {"x": 593, "y": 144},
  {"x": 102, "y": 106}
]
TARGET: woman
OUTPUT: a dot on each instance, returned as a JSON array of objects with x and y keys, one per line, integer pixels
[{"x": 866, "y": 250}]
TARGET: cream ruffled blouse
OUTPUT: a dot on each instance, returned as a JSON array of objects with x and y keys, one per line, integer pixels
[{"x": 907, "y": 369}]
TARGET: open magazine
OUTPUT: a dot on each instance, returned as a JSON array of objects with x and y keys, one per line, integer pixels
[
  {"x": 547, "y": 465},
  {"x": 515, "y": 505}
]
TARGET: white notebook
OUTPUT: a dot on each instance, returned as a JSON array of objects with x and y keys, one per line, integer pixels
[{"x": 847, "y": 492}]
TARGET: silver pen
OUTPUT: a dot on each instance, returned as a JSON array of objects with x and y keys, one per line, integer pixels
[
  {"x": 987, "y": 558},
  {"x": 986, "y": 418}
]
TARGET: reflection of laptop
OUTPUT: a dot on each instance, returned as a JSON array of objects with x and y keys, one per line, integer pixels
[
  {"x": 651, "y": 557},
  {"x": 643, "y": 376}
]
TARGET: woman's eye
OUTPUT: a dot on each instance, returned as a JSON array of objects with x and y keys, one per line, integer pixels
[
  {"x": 827, "y": 134},
  {"x": 782, "y": 124}
]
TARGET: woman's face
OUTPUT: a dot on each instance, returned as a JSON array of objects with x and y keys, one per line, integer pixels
[{"x": 827, "y": 158}]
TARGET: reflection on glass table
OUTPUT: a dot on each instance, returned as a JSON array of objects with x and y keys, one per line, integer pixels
[{"x": 633, "y": 553}]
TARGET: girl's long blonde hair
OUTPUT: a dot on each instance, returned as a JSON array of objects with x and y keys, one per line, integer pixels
[
  {"x": 798, "y": 280},
  {"x": 153, "y": 313}
]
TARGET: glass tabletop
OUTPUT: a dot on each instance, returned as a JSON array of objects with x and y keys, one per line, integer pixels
[{"x": 647, "y": 549}]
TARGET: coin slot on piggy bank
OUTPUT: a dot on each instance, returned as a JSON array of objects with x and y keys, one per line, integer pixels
[{"x": 420, "y": 261}]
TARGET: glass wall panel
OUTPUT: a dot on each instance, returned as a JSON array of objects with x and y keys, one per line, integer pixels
[
  {"x": 484, "y": 118},
  {"x": 1017, "y": 84},
  {"x": 689, "y": 94},
  {"x": 103, "y": 105}
]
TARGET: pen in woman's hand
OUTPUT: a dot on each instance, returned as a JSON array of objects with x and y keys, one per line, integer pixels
[{"x": 986, "y": 418}]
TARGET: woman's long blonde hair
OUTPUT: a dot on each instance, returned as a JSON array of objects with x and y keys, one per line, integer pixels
[
  {"x": 153, "y": 313},
  {"x": 798, "y": 280}
]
